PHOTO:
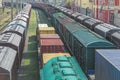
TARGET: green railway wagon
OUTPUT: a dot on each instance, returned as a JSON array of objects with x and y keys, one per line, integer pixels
[
  {"x": 69, "y": 29},
  {"x": 60, "y": 20},
  {"x": 55, "y": 21},
  {"x": 84, "y": 46},
  {"x": 62, "y": 68}
]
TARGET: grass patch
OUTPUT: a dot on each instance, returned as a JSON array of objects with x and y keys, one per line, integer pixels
[
  {"x": 43, "y": 18},
  {"x": 30, "y": 57},
  {"x": 27, "y": 62}
]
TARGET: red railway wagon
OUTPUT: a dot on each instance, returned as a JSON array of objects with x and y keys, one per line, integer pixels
[{"x": 51, "y": 46}]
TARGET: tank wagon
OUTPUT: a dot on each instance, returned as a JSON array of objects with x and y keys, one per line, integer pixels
[
  {"x": 12, "y": 41},
  {"x": 62, "y": 68},
  {"x": 8, "y": 63}
]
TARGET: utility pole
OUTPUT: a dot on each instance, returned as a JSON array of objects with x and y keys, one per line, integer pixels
[
  {"x": 21, "y": 5},
  {"x": 11, "y": 10},
  {"x": 17, "y": 6},
  {"x": 80, "y": 5}
]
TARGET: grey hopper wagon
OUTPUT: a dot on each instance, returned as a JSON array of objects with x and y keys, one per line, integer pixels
[
  {"x": 13, "y": 41},
  {"x": 8, "y": 63}
]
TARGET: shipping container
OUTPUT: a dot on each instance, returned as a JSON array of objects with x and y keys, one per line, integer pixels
[
  {"x": 107, "y": 64},
  {"x": 51, "y": 46},
  {"x": 49, "y": 36},
  {"x": 46, "y": 30},
  {"x": 85, "y": 43},
  {"x": 47, "y": 56},
  {"x": 62, "y": 68},
  {"x": 8, "y": 63},
  {"x": 42, "y": 25}
]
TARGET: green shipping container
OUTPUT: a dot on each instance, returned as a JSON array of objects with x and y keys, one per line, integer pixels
[
  {"x": 85, "y": 44},
  {"x": 62, "y": 68}
]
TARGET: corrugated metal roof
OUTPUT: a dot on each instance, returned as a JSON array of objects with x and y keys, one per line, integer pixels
[
  {"x": 7, "y": 58},
  {"x": 74, "y": 26},
  {"x": 18, "y": 22},
  {"x": 24, "y": 15},
  {"x": 17, "y": 28},
  {"x": 46, "y": 42},
  {"x": 89, "y": 38},
  {"x": 49, "y": 36},
  {"x": 21, "y": 17},
  {"x": 12, "y": 38}
]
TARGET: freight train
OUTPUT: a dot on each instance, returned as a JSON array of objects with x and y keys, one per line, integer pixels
[
  {"x": 107, "y": 31},
  {"x": 82, "y": 43},
  {"x": 54, "y": 57},
  {"x": 12, "y": 41}
]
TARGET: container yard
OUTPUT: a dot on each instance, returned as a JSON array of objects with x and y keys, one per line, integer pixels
[{"x": 59, "y": 40}]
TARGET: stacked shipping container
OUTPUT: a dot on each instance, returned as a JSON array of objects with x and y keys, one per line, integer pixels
[{"x": 49, "y": 41}]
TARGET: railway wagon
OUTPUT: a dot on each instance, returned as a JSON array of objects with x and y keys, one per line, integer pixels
[
  {"x": 65, "y": 27},
  {"x": 46, "y": 30},
  {"x": 21, "y": 18},
  {"x": 18, "y": 22},
  {"x": 26, "y": 10},
  {"x": 83, "y": 44},
  {"x": 38, "y": 30},
  {"x": 59, "y": 21},
  {"x": 101, "y": 28},
  {"x": 11, "y": 46},
  {"x": 47, "y": 56},
  {"x": 14, "y": 41},
  {"x": 86, "y": 42},
  {"x": 62, "y": 68},
  {"x": 91, "y": 23},
  {"x": 8, "y": 63},
  {"x": 107, "y": 65},
  {"x": 23, "y": 15},
  {"x": 75, "y": 15},
  {"x": 51, "y": 46},
  {"x": 17, "y": 29},
  {"x": 49, "y": 36}
]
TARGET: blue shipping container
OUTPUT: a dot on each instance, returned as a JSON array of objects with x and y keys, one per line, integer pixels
[{"x": 107, "y": 65}]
